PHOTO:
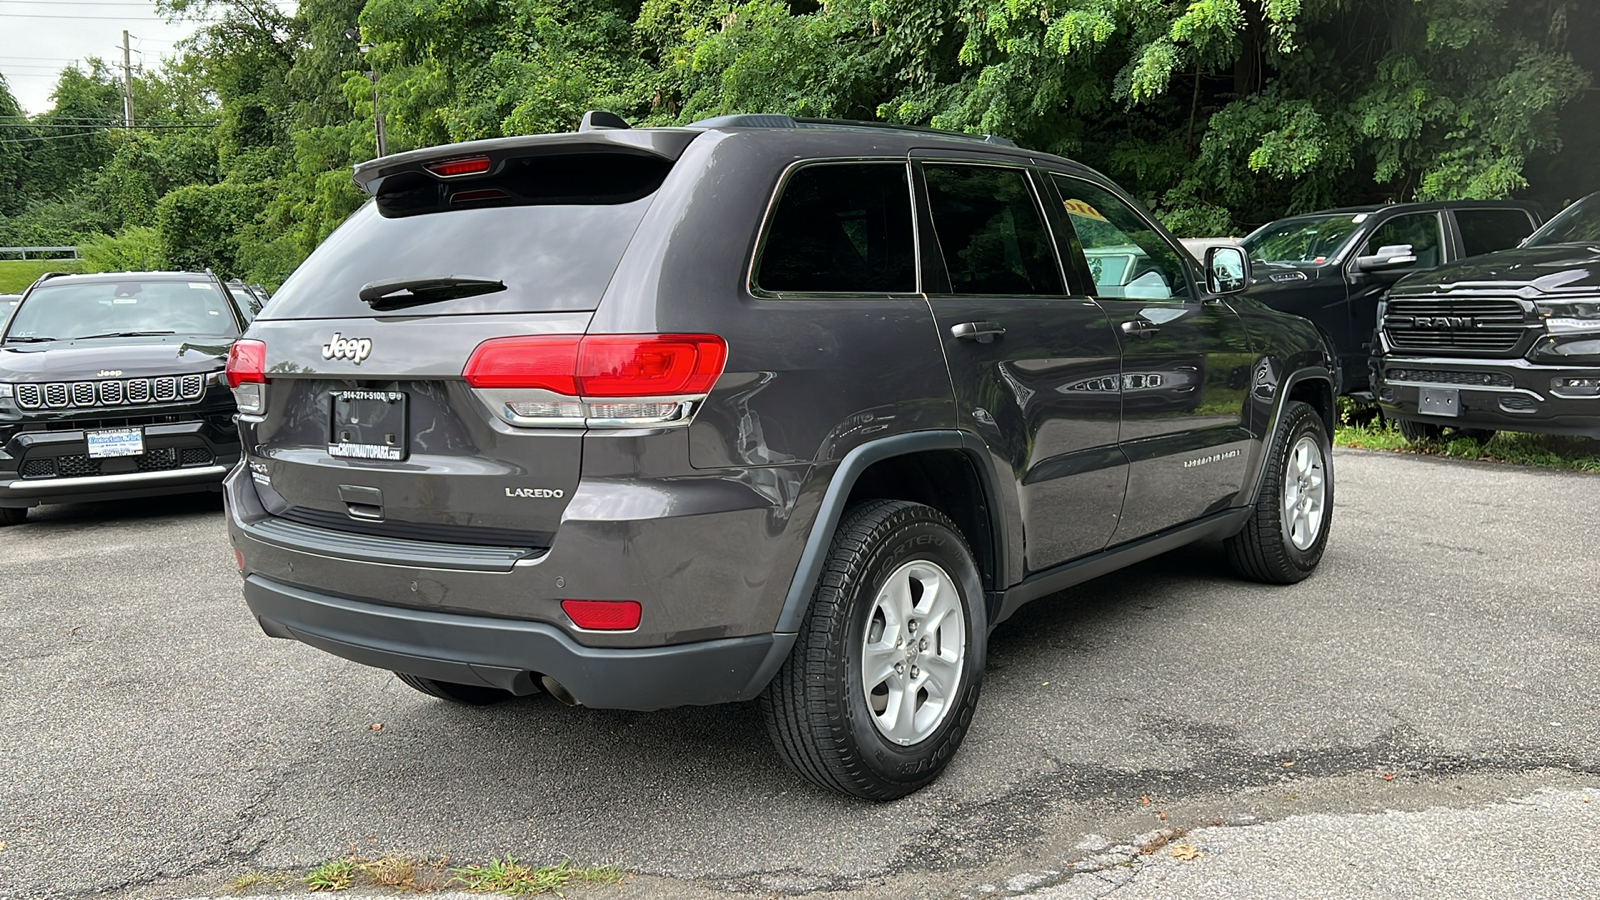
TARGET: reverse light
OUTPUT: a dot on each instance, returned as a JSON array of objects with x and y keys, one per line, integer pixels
[
  {"x": 626, "y": 380},
  {"x": 455, "y": 168},
  {"x": 603, "y": 615},
  {"x": 247, "y": 375}
]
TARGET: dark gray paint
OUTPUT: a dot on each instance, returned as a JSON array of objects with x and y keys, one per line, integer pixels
[{"x": 720, "y": 529}]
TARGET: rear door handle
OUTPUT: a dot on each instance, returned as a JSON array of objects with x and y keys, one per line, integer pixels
[
  {"x": 982, "y": 332},
  {"x": 1143, "y": 328}
]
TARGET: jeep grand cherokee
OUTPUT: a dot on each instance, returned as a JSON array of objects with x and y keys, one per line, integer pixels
[{"x": 753, "y": 409}]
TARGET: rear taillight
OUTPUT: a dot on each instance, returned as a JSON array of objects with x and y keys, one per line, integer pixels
[
  {"x": 603, "y": 615},
  {"x": 247, "y": 375},
  {"x": 598, "y": 380}
]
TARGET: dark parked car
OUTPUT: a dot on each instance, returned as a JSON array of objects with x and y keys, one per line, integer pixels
[
  {"x": 1333, "y": 267},
  {"x": 755, "y": 408},
  {"x": 1507, "y": 341},
  {"x": 111, "y": 387},
  {"x": 250, "y": 298}
]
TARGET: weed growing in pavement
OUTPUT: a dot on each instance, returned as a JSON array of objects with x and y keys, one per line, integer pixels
[
  {"x": 253, "y": 880},
  {"x": 1361, "y": 427},
  {"x": 509, "y": 876},
  {"x": 409, "y": 874}
]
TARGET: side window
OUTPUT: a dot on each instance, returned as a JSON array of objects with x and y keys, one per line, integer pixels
[
  {"x": 1420, "y": 230},
  {"x": 1127, "y": 258},
  {"x": 841, "y": 229},
  {"x": 991, "y": 232},
  {"x": 1488, "y": 230}
]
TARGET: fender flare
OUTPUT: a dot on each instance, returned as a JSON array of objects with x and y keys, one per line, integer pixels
[
  {"x": 1285, "y": 388},
  {"x": 844, "y": 478}
]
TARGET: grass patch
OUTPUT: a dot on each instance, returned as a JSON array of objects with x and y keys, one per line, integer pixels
[
  {"x": 408, "y": 874},
  {"x": 253, "y": 880},
  {"x": 16, "y": 274},
  {"x": 1361, "y": 427}
]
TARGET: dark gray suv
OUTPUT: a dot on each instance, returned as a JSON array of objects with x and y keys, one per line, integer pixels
[{"x": 756, "y": 408}]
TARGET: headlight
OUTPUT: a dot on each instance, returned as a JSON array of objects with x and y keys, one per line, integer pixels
[
  {"x": 6, "y": 392},
  {"x": 1570, "y": 318}
]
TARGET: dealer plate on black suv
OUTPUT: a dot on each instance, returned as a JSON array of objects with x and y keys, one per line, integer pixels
[
  {"x": 1439, "y": 401},
  {"x": 114, "y": 442},
  {"x": 368, "y": 425}
]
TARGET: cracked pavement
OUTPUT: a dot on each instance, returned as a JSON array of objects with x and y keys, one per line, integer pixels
[{"x": 1438, "y": 677}]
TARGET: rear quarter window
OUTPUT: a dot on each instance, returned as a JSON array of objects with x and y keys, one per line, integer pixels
[{"x": 841, "y": 228}]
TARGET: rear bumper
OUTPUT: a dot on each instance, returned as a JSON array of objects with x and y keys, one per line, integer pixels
[
  {"x": 1526, "y": 397},
  {"x": 510, "y": 654}
]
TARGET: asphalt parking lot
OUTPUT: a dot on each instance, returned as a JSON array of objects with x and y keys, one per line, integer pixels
[{"x": 1443, "y": 663}]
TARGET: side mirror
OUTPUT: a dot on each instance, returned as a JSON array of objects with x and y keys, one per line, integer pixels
[
  {"x": 1389, "y": 258},
  {"x": 1227, "y": 270}
]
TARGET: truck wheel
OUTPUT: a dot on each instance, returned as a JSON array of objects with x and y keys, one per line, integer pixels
[
  {"x": 13, "y": 515},
  {"x": 879, "y": 690},
  {"x": 467, "y": 694},
  {"x": 1282, "y": 541},
  {"x": 1417, "y": 432}
]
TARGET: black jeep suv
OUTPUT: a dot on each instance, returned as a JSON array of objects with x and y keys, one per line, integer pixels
[
  {"x": 754, "y": 408},
  {"x": 111, "y": 387},
  {"x": 1507, "y": 341},
  {"x": 1334, "y": 267}
]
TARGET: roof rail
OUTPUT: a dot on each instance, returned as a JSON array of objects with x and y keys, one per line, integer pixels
[
  {"x": 747, "y": 120},
  {"x": 916, "y": 129},
  {"x": 600, "y": 120}
]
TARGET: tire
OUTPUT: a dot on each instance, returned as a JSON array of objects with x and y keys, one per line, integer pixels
[
  {"x": 1278, "y": 549},
  {"x": 13, "y": 515},
  {"x": 827, "y": 723},
  {"x": 1417, "y": 432},
  {"x": 1481, "y": 435},
  {"x": 465, "y": 694}
]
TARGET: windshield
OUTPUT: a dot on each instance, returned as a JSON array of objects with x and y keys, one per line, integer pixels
[
  {"x": 82, "y": 311},
  {"x": 1577, "y": 224},
  {"x": 1309, "y": 241}
]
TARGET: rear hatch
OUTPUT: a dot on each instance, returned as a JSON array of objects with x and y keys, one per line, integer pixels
[{"x": 363, "y": 421}]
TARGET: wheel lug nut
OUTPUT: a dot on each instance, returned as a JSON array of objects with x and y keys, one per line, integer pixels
[
  {"x": 915, "y": 671},
  {"x": 912, "y": 626},
  {"x": 923, "y": 644},
  {"x": 900, "y": 668}
]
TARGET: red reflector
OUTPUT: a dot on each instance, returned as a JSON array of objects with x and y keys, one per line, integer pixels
[
  {"x": 604, "y": 365},
  {"x": 238, "y": 558},
  {"x": 247, "y": 362},
  {"x": 450, "y": 168},
  {"x": 603, "y": 615}
]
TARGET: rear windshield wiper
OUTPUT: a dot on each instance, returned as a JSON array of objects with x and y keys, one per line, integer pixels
[
  {"x": 112, "y": 334},
  {"x": 403, "y": 292}
]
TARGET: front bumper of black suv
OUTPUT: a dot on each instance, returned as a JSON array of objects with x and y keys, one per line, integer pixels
[
  {"x": 45, "y": 459},
  {"x": 1497, "y": 394}
]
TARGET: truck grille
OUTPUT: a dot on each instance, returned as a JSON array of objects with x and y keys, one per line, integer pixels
[
  {"x": 1488, "y": 325},
  {"x": 114, "y": 392}
]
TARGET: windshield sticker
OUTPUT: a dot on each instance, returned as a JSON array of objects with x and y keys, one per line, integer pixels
[
  {"x": 1082, "y": 210},
  {"x": 199, "y": 286}
]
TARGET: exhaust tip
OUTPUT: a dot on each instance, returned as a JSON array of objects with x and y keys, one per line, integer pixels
[{"x": 555, "y": 689}]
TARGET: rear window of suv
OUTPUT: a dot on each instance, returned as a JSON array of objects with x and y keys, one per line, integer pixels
[{"x": 552, "y": 228}]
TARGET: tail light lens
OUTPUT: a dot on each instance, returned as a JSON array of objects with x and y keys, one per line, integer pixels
[
  {"x": 247, "y": 375},
  {"x": 597, "y": 380},
  {"x": 603, "y": 615}
]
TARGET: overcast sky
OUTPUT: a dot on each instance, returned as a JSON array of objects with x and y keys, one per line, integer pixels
[{"x": 38, "y": 38}]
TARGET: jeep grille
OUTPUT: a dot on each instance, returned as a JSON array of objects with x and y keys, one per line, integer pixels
[{"x": 119, "y": 392}]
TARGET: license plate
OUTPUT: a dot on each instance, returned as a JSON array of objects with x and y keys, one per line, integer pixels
[
  {"x": 368, "y": 425},
  {"x": 115, "y": 442},
  {"x": 1439, "y": 401}
]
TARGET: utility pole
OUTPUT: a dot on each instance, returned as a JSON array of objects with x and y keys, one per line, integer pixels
[
  {"x": 377, "y": 114},
  {"x": 127, "y": 84}
]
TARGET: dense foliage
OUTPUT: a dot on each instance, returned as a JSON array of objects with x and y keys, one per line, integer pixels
[{"x": 1218, "y": 113}]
